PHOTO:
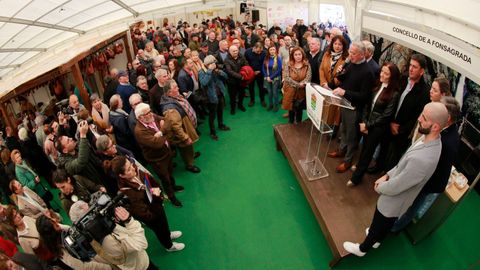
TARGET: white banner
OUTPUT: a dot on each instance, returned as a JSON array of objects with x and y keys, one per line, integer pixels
[
  {"x": 465, "y": 58},
  {"x": 314, "y": 105}
]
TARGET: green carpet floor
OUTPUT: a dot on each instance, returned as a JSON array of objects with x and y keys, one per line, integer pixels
[{"x": 245, "y": 210}]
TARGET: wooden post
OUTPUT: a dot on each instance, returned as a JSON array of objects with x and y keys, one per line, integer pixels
[
  {"x": 126, "y": 45},
  {"x": 77, "y": 76},
  {"x": 6, "y": 118}
]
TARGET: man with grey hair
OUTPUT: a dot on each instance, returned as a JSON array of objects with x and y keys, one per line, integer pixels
[
  {"x": 369, "y": 49},
  {"x": 112, "y": 82},
  {"x": 315, "y": 58},
  {"x": 233, "y": 63},
  {"x": 156, "y": 92},
  {"x": 399, "y": 187},
  {"x": 134, "y": 100},
  {"x": 40, "y": 133},
  {"x": 150, "y": 134},
  {"x": 356, "y": 83},
  {"x": 125, "y": 246},
  {"x": 221, "y": 54}
]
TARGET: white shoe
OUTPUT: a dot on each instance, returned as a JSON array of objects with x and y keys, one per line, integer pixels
[
  {"x": 350, "y": 183},
  {"x": 175, "y": 234},
  {"x": 353, "y": 248},
  {"x": 176, "y": 247},
  {"x": 353, "y": 168},
  {"x": 377, "y": 244}
]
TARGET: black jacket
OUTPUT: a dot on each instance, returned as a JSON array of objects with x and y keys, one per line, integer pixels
[
  {"x": 357, "y": 82},
  {"x": 411, "y": 106},
  {"x": 185, "y": 82},
  {"x": 382, "y": 112},
  {"x": 438, "y": 181},
  {"x": 232, "y": 67}
]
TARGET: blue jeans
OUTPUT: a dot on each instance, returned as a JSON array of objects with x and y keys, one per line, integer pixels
[{"x": 272, "y": 89}]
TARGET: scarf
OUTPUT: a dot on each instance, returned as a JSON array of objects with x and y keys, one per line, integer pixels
[
  {"x": 334, "y": 57},
  {"x": 103, "y": 118},
  {"x": 187, "y": 108},
  {"x": 274, "y": 67}
]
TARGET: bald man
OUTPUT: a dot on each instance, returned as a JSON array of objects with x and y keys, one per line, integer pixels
[
  {"x": 401, "y": 185},
  {"x": 233, "y": 63}
]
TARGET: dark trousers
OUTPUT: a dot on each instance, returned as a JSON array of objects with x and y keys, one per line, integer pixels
[
  {"x": 215, "y": 110},
  {"x": 397, "y": 147},
  {"x": 349, "y": 131},
  {"x": 197, "y": 106},
  {"x": 370, "y": 141},
  {"x": 151, "y": 266},
  {"x": 295, "y": 116},
  {"x": 159, "y": 225},
  {"x": 379, "y": 229},
  {"x": 236, "y": 93},
  {"x": 164, "y": 170},
  {"x": 187, "y": 153},
  {"x": 261, "y": 91}
]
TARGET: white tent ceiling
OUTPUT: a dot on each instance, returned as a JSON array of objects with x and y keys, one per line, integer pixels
[{"x": 32, "y": 31}]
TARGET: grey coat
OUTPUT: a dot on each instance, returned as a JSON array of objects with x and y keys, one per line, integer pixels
[{"x": 407, "y": 178}]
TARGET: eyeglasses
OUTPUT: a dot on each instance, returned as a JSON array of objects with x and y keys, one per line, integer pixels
[{"x": 147, "y": 113}]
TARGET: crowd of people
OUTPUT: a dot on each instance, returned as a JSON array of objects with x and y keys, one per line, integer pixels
[{"x": 180, "y": 77}]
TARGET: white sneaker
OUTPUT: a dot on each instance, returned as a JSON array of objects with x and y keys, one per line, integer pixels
[
  {"x": 176, "y": 247},
  {"x": 353, "y": 248},
  {"x": 350, "y": 183},
  {"x": 377, "y": 244},
  {"x": 175, "y": 234}
]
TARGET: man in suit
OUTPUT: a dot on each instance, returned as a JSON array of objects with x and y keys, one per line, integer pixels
[
  {"x": 414, "y": 96},
  {"x": 399, "y": 187},
  {"x": 149, "y": 133},
  {"x": 314, "y": 58},
  {"x": 368, "y": 57}
]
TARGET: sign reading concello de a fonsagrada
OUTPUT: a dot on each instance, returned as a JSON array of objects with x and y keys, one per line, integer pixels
[{"x": 464, "y": 58}]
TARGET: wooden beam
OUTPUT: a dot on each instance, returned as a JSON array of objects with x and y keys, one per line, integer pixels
[
  {"x": 6, "y": 118},
  {"x": 94, "y": 49},
  {"x": 126, "y": 48},
  {"x": 77, "y": 76}
]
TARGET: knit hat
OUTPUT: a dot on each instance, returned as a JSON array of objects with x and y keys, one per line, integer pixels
[{"x": 209, "y": 59}]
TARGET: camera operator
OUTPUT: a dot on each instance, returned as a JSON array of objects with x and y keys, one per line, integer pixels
[
  {"x": 50, "y": 237},
  {"x": 74, "y": 188},
  {"x": 146, "y": 201},
  {"x": 126, "y": 246}
]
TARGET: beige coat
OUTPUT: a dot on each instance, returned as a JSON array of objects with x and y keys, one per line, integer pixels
[
  {"x": 181, "y": 128},
  {"x": 26, "y": 207},
  {"x": 126, "y": 246}
]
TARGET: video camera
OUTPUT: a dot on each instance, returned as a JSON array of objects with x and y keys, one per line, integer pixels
[{"x": 95, "y": 224}]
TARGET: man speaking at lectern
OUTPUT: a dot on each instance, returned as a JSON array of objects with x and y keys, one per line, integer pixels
[{"x": 356, "y": 85}]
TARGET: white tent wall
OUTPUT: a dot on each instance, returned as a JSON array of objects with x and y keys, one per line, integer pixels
[{"x": 427, "y": 32}]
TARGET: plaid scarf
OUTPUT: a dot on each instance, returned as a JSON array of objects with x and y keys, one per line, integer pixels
[{"x": 187, "y": 108}]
